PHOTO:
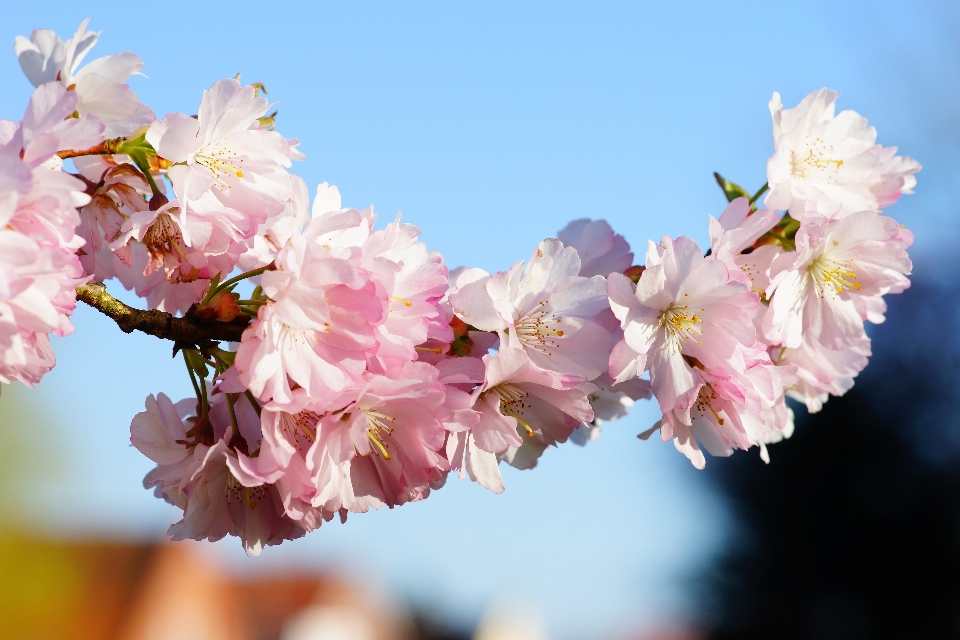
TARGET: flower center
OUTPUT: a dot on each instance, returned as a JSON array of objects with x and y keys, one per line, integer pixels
[
  {"x": 221, "y": 162},
  {"x": 163, "y": 238},
  {"x": 704, "y": 401},
  {"x": 815, "y": 162},
  {"x": 538, "y": 329},
  {"x": 832, "y": 276},
  {"x": 300, "y": 429},
  {"x": 250, "y": 496},
  {"x": 680, "y": 325},
  {"x": 405, "y": 302},
  {"x": 163, "y": 241},
  {"x": 292, "y": 338},
  {"x": 378, "y": 429},
  {"x": 512, "y": 402}
]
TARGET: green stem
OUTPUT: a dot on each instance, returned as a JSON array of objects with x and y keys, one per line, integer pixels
[
  {"x": 232, "y": 281},
  {"x": 253, "y": 401},
  {"x": 153, "y": 184},
  {"x": 205, "y": 407},
  {"x": 243, "y": 276},
  {"x": 196, "y": 362},
  {"x": 233, "y": 414},
  {"x": 193, "y": 377},
  {"x": 759, "y": 193},
  {"x": 250, "y": 311}
]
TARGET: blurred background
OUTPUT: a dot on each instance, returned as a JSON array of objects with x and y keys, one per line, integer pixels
[{"x": 491, "y": 125}]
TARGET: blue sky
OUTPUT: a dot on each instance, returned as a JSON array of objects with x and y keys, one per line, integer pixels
[{"x": 491, "y": 125}]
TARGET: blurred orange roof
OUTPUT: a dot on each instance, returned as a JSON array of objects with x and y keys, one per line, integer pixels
[{"x": 51, "y": 589}]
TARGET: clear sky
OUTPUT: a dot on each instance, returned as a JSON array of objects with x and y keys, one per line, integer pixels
[{"x": 491, "y": 125}]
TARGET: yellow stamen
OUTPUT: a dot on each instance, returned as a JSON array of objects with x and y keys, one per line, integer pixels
[
  {"x": 828, "y": 272},
  {"x": 815, "y": 160},
  {"x": 378, "y": 429},
  {"x": 381, "y": 446},
  {"x": 537, "y": 328},
  {"x": 680, "y": 325},
  {"x": 512, "y": 403}
]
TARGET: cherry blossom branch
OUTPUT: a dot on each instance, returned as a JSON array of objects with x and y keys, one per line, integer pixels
[
  {"x": 157, "y": 323},
  {"x": 137, "y": 149}
]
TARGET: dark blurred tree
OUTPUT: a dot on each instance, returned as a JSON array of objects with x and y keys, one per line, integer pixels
[
  {"x": 853, "y": 530},
  {"x": 425, "y": 627}
]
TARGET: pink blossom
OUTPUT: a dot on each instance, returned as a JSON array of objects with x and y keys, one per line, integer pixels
[
  {"x": 223, "y": 158},
  {"x": 273, "y": 234},
  {"x": 732, "y": 238},
  {"x": 120, "y": 196},
  {"x": 731, "y": 411},
  {"x": 160, "y": 433},
  {"x": 36, "y": 298},
  {"x": 217, "y": 485},
  {"x": 524, "y": 409},
  {"x": 288, "y": 433},
  {"x": 461, "y": 376},
  {"x": 413, "y": 280},
  {"x": 100, "y": 86},
  {"x": 830, "y": 164},
  {"x": 46, "y": 196},
  {"x": 153, "y": 258},
  {"x": 219, "y": 503},
  {"x": 415, "y": 286},
  {"x": 686, "y": 312},
  {"x": 610, "y": 401},
  {"x": 410, "y": 280},
  {"x": 545, "y": 308},
  {"x": 317, "y": 329},
  {"x": 601, "y": 250},
  {"x": 896, "y": 176},
  {"x": 342, "y": 232},
  {"x": 470, "y": 460},
  {"x": 816, "y": 372},
  {"x": 39, "y": 269},
  {"x": 385, "y": 444},
  {"x": 47, "y": 127},
  {"x": 825, "y": 288}
]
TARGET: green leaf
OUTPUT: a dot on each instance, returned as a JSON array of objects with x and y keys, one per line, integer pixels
[
  {"x": 224, "y": 356},
  {"x": 140, "y": 151},
  {"x": 196, "y": 363},
  {"x": 731, "y": 189}
]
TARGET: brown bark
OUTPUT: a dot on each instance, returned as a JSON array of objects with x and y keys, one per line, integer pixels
[{"x": 186, "y": 331}]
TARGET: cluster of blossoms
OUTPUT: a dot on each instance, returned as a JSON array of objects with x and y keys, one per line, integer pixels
[{"x": 359, "y": 371}]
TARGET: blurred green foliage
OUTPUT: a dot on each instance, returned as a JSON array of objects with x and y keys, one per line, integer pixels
[{"x": 29, "y": 453}]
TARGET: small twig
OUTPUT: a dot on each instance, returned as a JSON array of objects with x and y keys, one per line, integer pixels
[
  {"x": 157, "y": 323},
  {"x": 105, "y": 148}
]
